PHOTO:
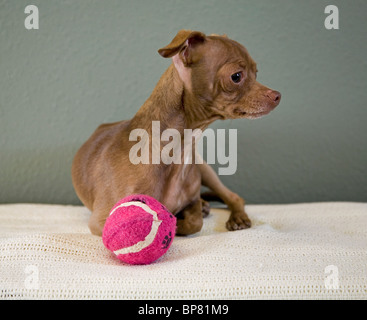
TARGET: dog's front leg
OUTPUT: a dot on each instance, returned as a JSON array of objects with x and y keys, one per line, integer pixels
[{"x": 238, "y": 219}]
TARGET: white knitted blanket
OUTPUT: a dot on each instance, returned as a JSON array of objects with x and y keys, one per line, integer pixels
[{"x": 296, "y": 251}]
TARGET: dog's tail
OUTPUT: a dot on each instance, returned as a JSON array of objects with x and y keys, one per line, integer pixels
[{"x": 211, "y": 196}]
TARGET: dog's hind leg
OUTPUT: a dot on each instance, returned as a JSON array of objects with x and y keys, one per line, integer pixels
[{"x": 190, "y": 219}]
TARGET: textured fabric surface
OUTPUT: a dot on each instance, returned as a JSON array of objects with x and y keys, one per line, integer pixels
[{"x": 296, "y": 251}]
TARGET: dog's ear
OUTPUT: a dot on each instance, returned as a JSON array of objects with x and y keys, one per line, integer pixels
[{"x": 183, "y": 43}]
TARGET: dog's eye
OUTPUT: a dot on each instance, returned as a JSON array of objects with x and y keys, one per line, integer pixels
[{"x": 236, "y": 77}]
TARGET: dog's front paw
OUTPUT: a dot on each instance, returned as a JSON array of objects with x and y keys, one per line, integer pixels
[{"x": 238, "y": 222}]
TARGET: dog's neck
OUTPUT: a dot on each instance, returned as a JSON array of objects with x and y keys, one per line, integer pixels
[{"x": 174, "y": 106}]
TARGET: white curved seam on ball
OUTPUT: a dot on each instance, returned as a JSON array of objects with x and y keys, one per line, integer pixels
[{"x": 151, "y": 235}]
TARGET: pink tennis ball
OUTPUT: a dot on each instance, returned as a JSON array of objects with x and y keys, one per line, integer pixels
[{"x": 139, "y": 229}]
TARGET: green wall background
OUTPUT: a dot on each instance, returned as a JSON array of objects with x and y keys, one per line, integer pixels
[{"x": 96, "y": 61}]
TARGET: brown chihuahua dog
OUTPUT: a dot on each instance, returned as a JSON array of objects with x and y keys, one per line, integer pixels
[{"x": 211, "y": 77}]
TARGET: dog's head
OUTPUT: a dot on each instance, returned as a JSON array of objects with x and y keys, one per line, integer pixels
[{"x": 221, "y": 72}]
